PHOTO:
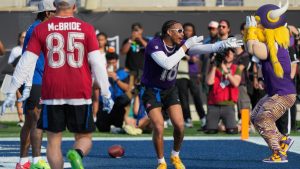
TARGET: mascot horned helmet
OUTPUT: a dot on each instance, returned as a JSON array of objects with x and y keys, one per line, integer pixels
[{"x": 272, "y": 16}]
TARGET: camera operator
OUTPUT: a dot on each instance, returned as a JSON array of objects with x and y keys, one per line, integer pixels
[{"x": 223, "y": 79}]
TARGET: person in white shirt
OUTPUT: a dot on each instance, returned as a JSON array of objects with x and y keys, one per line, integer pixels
[
  {"x": 13, "y": 59},
  {"x": 16, "y": 51}
]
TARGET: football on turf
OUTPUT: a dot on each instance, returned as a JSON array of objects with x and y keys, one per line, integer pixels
[{"x": 116, "y": 151}]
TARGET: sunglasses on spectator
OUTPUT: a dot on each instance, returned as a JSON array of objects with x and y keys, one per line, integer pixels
[
  {"x": 222, "y": 26},
  {"x": 178, "y": 30}
]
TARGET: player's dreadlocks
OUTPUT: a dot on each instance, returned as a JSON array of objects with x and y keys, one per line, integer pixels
[
  {"x": 41, "y": 16},
  {"x": 167, "y": 25}
]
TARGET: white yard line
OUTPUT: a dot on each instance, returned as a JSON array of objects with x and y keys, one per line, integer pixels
[
  {"x": 134, "y": 138},
  {"x": 10, "y": 162},
  {"x": 257, "y": 140}
]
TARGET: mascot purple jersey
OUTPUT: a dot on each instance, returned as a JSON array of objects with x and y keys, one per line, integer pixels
[{"x": 274, "y": 84}]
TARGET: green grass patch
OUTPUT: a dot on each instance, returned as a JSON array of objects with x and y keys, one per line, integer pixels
[{"x": 10, "y": 129}]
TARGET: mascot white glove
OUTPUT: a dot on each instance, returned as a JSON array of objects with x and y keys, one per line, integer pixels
[{"x": 250, "y": 22}]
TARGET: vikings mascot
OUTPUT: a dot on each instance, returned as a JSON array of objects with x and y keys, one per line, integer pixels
[{"x": 267, "y": 38}]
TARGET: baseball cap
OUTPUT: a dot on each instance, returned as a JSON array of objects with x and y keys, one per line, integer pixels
[
  {"x": 45, "y": 5},
  {"x": 213, "y": 24},
  {"x": 69, "y": 2}
]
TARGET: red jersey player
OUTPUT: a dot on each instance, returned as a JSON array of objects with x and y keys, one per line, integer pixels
[{"x": 71, "y": 55}]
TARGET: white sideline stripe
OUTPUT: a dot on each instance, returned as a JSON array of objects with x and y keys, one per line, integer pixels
[
  {"x": 135, "y": 138},
  {"x": 165, "y": 138},
  {"x": 256, "y": 140}
]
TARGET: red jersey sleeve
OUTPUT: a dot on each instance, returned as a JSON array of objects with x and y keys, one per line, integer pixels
[
  {"x": 34, "y": 45},
  {"x": 92, "y": 43}
]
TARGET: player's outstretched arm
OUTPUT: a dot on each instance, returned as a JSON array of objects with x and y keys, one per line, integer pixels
[
  {"x": 25, "y": 67},
  {"x": 199, "y": 48},
  {"x": 27, "y": 86},
  {"x": 169, "y": 62},
  {"x": 98, "y": 66},
  {"x": 99, "y": 71}
]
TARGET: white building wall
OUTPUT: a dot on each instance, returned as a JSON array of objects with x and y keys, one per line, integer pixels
[
  {"x": 93, "y": 4},
  {"x": 12, "y": 3}
]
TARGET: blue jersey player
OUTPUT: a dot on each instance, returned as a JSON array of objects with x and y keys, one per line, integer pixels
[
  {"x": 32, "y": 99},
  {"x": 162, "y": 56}
]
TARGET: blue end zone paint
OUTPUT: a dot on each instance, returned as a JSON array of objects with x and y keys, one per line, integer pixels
[{"x": 220, "y": 154}]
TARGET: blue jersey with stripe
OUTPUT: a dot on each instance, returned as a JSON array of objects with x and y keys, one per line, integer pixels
[{"x": 39, "y": 68}]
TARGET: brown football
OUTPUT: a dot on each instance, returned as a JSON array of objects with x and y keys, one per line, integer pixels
[{"x": 116, "y": 151}]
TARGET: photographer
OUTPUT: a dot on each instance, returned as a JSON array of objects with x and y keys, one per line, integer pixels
[
  {"x": 119, "y": 79},
  {"x": 223, "y": 78},
  {"x": 134, "y": 49}
]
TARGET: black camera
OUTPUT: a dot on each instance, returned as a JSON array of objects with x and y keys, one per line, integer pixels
[{"x": 220, "y": 57}]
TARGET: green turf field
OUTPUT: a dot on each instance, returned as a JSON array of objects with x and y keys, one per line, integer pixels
[{"x": 11, "y": 129}]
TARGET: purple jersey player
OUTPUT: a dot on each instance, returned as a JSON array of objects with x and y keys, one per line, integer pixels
[{"x": 162, "y": 56}]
